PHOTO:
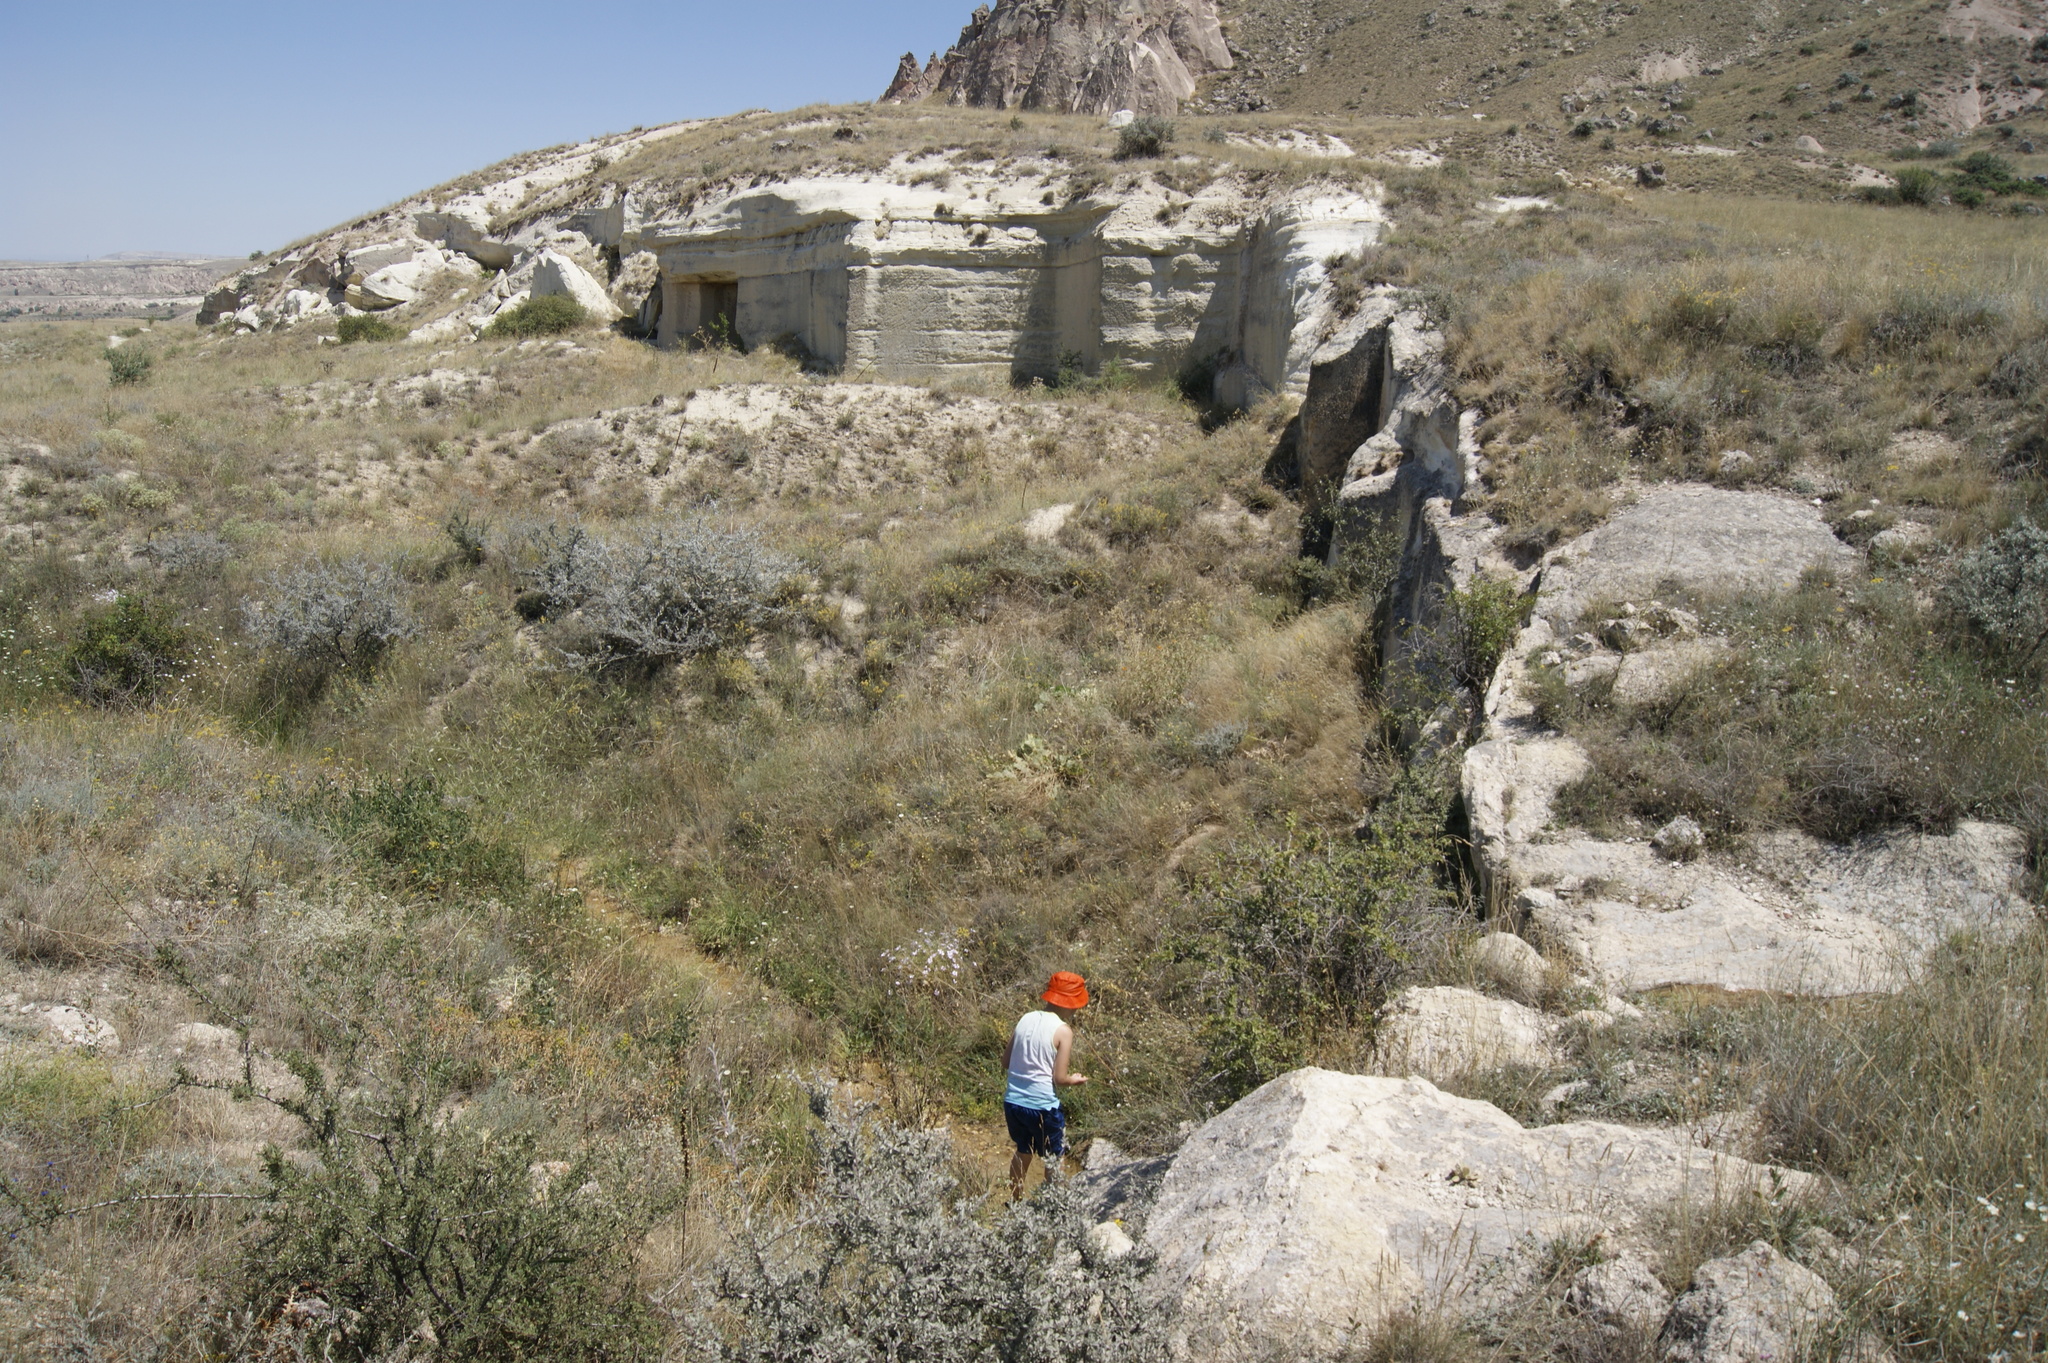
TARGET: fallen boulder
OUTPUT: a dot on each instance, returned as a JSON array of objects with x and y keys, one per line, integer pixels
[
  {"x": 556, "y": 274},
  {"x": 1322, "y": 1203}
]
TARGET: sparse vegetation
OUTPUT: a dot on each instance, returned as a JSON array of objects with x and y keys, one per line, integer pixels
[
  {"x": 367, "y": 326},
  {"x": 1145, "y": 137}
]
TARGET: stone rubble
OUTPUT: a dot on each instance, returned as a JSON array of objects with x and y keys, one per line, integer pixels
[{"x": 1748, "y": 1308}]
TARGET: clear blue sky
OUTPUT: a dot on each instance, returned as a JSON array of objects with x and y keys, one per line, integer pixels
[{"x": 234, "y": 127}]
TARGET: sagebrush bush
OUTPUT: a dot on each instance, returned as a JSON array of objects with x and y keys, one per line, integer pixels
[
  {"x": 195, "y": 551},
  {"x": 2001, "y": 590},
  {"x": 659, "y": 595},
  {"x": 550, "y": 315},
  {"x": 125, "y": 651},
  {"x": 885, "y": 1258},
  {"x": 365, "y": 326},
  {"x": 330, "y": 616}
]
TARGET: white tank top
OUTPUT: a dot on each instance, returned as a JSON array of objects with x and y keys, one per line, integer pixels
[{"x": 1032, "y": 1052}]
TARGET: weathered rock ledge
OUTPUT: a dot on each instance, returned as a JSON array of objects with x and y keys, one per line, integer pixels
[{"x": 1787, "y": 913}]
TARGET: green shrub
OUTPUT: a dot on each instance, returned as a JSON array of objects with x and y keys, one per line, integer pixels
[
  {"x": 125, "y": 651},
  {"x": 550, "y": 315},
  {"x": 1918, "y": 185},
  {"x": 367, "y": 327},
  {"x": 398, "y": 1216},
  {"x": 1482, "y": 619},
  {"x": 407, "y": 829},
  {"x": 1126, "y": 524},
  {"x": 1146, "y": 137},
  {"x": 127, "y": 365},
  {"x": 469, "y": 535},
  {"x": 1294, "y": 934}
]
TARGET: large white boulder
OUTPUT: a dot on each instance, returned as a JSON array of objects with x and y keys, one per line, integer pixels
[
  {"x": 390, "y": 287},
  {"x": 1441, "y": 1033},
  {"x": 1322, "y": 1203},
  {"x": 556, "y": 274}
]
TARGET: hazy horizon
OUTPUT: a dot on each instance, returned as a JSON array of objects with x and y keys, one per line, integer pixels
[{"x": 230, "y": 128}]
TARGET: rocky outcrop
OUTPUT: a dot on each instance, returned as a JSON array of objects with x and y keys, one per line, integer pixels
[
  {"x": 1619, "y": 1295},
  {"x": 1753, "y": 1307},
  {"x": 556, "y": 274},
  {"x": 1701, "y": 540},
  {"x": 1322, "y": 1203},
  {"x": 1073, "y": 56},
  {"x": 986, "y": 279}
]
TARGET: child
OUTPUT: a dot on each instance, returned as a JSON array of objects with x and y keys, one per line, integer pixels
[{"x": 1040, "y": 1049}]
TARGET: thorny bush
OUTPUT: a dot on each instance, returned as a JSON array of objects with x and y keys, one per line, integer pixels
[{"x": 412, "y": 1224}]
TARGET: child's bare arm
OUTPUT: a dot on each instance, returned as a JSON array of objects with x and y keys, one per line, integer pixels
[{"x": 1060, "y": 1076}]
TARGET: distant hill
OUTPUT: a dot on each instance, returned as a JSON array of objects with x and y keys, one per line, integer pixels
[
  {"x": 131, "y": 284},
  {"x": 1853, "y": 77},
  {"x": 1804, "y": 62}
]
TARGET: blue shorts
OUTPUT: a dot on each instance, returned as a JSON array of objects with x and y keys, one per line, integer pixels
[{"x": 1040, "y": 1131}]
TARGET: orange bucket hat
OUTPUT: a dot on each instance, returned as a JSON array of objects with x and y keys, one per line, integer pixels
[{"x": 1067, "y": 990}]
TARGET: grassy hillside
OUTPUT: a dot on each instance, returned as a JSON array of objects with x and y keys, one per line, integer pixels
[{"x": 323, "y": 728}]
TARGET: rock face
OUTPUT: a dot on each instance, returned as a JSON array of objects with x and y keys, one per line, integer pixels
[
  {"x": 1321, "y": 1203},
  {"x": 1753, "y": 1307},
  {"x": 116, "y": 286},
  {"x": 1441, "y": 1033},
  {"x": 1073, "y": 56}
]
